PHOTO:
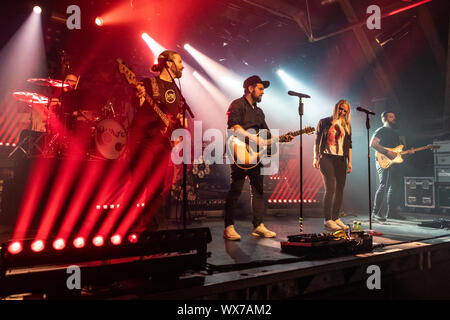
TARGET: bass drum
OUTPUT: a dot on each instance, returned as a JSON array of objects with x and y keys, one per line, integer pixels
[{"x": 110, "y": 139}]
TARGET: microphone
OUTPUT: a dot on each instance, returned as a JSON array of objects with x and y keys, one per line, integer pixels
[
  {"x": 296, "y": 94},
  {"x": 365, "y": 110}
]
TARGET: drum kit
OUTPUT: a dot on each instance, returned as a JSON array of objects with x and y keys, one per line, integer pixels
[{"x": 57, "y": 119}]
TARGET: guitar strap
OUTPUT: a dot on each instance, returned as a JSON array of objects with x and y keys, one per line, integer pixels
[{"x": 155, "y": 87}]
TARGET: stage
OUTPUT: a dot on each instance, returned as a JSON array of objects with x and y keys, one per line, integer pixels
[{"x": 412, "y": 260}]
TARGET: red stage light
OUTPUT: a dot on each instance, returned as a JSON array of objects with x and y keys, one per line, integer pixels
[
  {"x": 59, "y": 244},
  {"x": 99, "y": 21},
  {"x": 116, "y": 239},
  {"x": 16, "y": 247},
  {"x": 37, "y": 246},
  {"x": 79, "y": 242},
  {"x": 98, "y": 207},
  {"x": 105, "y": 206},
  {"x": 98, "y": 241},
  {"x": 37, "y": 9},
  {"x": 133, "y": 238}
]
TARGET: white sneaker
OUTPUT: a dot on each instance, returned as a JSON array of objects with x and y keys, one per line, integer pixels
[
  {"x": 341, "y": 224},
  {"x": 262, "y": 231},
  {"x": 230, "y": 233},
  {"x": 331, "y": 226}
]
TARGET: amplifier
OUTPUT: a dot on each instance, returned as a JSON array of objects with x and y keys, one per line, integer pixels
[
  {"x": 419, "y": 192},
  {"x": 442, "y": 159},
  {"x": 443, "y": 192},
  {"x": 444, "y": 146},
  {"x": 442, "y": 174}
]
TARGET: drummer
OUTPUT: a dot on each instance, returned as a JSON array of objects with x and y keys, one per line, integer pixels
[{"x": 39, "y": 111}]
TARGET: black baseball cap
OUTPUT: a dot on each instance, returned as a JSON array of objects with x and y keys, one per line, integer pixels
[{"x": 250, "y": 81}]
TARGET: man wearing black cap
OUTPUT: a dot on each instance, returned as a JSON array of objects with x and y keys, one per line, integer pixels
[{"x": 243, "y": 114}]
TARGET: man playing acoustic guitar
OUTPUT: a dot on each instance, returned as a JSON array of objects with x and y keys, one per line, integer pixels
[{"x": 244, "y": 114}]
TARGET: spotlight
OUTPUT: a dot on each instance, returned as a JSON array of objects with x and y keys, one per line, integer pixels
[
  {"x": 59, "y": 244},
  {"x": 37, "y": 9},
  {"x": 79, "y": 242},
  {"x": 37, "y": 246},
  {"x": 132, "y": 238},
  {"x": 16, "y": 247},
  {"x": 98, "y": 241},
  {"x": 116, "y": 239},
  {"x": 99, "y": 21}
]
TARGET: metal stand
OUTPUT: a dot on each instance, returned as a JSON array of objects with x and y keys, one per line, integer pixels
[
  {"x": 300, "y": 112},
  {"x": 372, "y": 232},
  {"x": 32, "y": 143},
  {"x": 184, "y": 107}
]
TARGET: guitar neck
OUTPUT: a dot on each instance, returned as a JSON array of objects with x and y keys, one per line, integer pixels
[
  {"x": 155, "y": 107},
  {"x": 295, "y": 133},
  {"x": 416, "y": 149}
]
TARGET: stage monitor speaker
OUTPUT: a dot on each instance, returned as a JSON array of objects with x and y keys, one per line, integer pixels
[{"x": 443, "y": 193}]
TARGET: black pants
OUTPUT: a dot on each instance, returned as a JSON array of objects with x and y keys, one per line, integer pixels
[
  {"x": 257, "y": 195},
  {"x": 390, "y": 186},
  {"x": 334, "y": 172}
]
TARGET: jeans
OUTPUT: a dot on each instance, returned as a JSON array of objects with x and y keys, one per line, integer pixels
[
  {"x": 334, "y": 173},
  {"x": 390, "y": 182},
  {"x": 257, "y": 194}
]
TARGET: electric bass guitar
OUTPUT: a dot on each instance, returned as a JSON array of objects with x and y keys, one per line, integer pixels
[
  {"x": 169, "y": 122},
  {"x": 384, "y": 161},
  {"x": 248, "y": 155}
]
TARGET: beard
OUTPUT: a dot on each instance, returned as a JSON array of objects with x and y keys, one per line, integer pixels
[
  {"x": 255, "y": 98},
  {"x": 176, "y": 72},
  {"x": 393, "y": 125}
]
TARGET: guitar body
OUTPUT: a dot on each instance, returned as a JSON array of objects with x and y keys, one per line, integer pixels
[
  {"x": 384, "y": 162},
  {"x": 247, "y": 155}
]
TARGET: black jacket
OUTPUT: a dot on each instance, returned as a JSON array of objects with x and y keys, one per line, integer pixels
[{"x": 321, "y": 137}]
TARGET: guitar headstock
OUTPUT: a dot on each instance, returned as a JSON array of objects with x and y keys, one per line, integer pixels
[
  {"x": 433, "y": 146},
  {"x": 129, "y": 75},
  {"x": 308, "y": 130}
]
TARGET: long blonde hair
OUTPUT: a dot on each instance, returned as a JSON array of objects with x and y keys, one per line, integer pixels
[{"x": 335, "y": 115}]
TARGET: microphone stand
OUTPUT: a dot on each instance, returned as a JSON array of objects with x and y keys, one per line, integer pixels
[
  {"x": 300, "y": 112},
  {"x": 371, "y": 231},
  {"x": 184, "y": 107}
]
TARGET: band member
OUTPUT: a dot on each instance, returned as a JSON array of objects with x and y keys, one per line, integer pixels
[
  {"x": 72, "y": 80},
  {"x": 389, "y": 178},
  {"x": 40, "y": 112},
  {"x": 244, "y": 114},
  {"x": 149, "y": 149},
  {"x": 333, "y": 156}
]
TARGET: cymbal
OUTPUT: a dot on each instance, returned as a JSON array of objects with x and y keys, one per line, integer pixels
[
  {"x": 48, "y": 82},
  {"x": 30, "y": 97}
]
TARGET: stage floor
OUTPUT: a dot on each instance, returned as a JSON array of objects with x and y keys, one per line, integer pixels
[{"x": 236, "y": 266}]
